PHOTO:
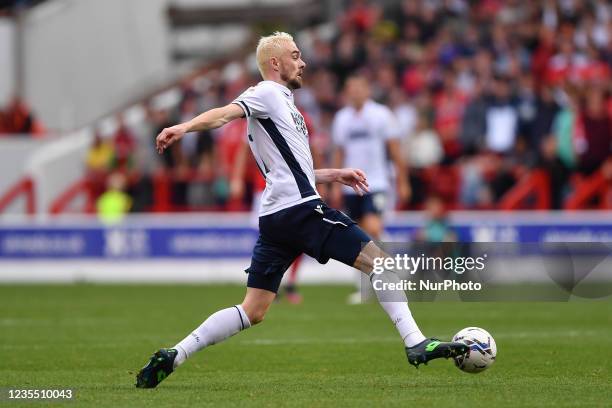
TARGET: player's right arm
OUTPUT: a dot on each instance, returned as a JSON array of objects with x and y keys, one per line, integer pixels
[{"x": 211, "y": 119}]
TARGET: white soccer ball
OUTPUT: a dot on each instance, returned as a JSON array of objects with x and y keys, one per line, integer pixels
[{"x": 482, "y": 350}]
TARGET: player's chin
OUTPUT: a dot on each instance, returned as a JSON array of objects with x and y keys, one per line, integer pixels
[{"x": 296, "y": 83}]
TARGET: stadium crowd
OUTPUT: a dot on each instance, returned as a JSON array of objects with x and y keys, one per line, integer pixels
[{"x": 483, "y": 92}]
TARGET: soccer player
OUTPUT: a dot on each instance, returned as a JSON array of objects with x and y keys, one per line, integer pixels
[
  {"x": 293, "y": 219},
  {"x": 365, "y": 133}
]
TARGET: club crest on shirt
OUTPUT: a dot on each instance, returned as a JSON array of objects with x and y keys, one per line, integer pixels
[{"x": 298, "y": 119}]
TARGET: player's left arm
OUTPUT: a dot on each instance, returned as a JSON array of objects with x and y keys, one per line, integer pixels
[
  {"x": 354, "y": 178},
  {"x": 401, "y": 170}
]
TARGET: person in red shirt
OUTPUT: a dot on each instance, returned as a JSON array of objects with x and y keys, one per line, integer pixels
[
  {"x": 124, "y": 144},
  {"x": 449, "y": 106},
  {"x": 597, "y": 131},
  {"x": 19, "y": 119}
]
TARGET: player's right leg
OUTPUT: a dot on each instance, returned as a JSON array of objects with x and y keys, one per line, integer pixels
[
  {"x": 290, "y": 289},
  {"x": 346, "y": 244},
  {"x": 367, "y": 211},
  {"x": 419, "y": 349},
  {"x": 216, "y": 328}
]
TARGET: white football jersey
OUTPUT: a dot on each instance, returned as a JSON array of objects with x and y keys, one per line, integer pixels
[
  {"x": 278, "y": 138},
  {"x": 363, "y": 136}
]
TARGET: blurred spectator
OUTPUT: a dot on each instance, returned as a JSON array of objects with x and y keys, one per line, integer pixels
[
  {"x": 501, "y": 118},
  {"x": 567, "y": 128},
  {"x": 114, "y": 203},
  {"x": 546, "y": 111},
  {"x": 473, "y": 124},
  {"x": 17, "y": 118},
  {"x": 449, "y": 105},
  {"x": 473, "y": 192},
  {"x": 406, "y": 113},
  {"x": 437, "y": 227},
  {"x": 567, "y": 65},
  {"x": 347, "y": 56},
  {"x": 98, "y": 163},
  {"x": 499, "y": 177},
  {"x": 597, "y": 132},
  {"x": 557, "y": 171},
  {"x": 422, "y": 148},
  {"x": 124, "y": 145},
  {"x": 3, "y": 124},
  {"x": 100, "y": 155},
  {"x": 526, "y": 106},
  {"x": 195, "y": 142},
  {"x": 416, "y": 78},
  {"x": 361, "y": 15}
]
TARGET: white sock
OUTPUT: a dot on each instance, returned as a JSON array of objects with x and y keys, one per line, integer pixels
[
  {"x": 218, "y": 327},
  {"x": 395, "y": 303}
]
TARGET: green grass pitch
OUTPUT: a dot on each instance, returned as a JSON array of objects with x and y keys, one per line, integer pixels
[{"x": 94, "y": 338}]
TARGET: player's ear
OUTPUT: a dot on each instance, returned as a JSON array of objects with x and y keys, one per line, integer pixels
[{"x": 275, "y": 62}]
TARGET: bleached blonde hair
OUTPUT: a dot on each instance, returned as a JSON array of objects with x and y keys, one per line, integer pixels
[{"x": 270, "y": 46}]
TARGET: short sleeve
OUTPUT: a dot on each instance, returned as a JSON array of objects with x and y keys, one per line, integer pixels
[
  {"x": 339, "y": 130},
  {"x": 255, "y": 101}
]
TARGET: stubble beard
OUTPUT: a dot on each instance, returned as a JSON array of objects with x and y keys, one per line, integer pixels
[{"x": 292, "y": 83}]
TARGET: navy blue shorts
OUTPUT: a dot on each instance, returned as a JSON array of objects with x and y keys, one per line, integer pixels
[
  {"x": 311, "y": 228},
  {"x": 359, "y": 206}
]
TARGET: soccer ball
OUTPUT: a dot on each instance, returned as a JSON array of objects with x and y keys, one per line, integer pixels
[{"x": 482, "y": 350}]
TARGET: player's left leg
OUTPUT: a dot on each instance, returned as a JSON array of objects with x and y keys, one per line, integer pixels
[{"x": 216, "y": 328}]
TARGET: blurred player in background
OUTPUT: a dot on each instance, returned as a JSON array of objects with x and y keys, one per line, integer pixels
[
  {"x": 366, "y": 136},
  {"x": 293, "y": 218}
]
